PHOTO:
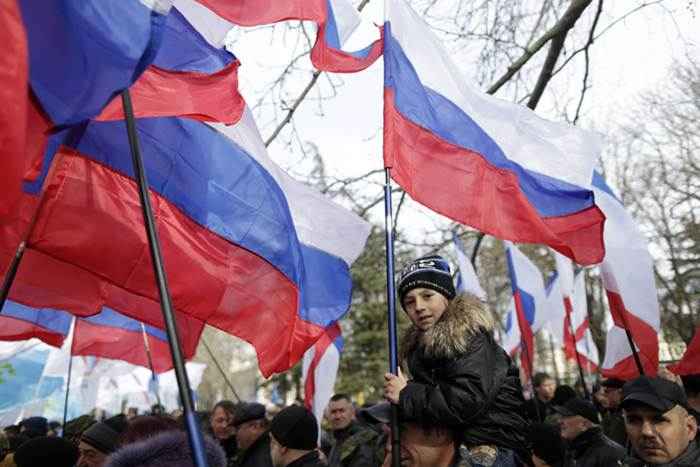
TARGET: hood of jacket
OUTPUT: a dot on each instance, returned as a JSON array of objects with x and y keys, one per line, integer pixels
[
  {"x": 168, "y": 449},
  {"x": 464, "y": 317}
]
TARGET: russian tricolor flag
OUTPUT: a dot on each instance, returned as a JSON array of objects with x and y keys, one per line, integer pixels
[
  {"x": 628, "y": 277},
  {"x": 336, "y": 20},
  {"x": 19, "y": 322},
  {"x": 320, "y": 368},
  {"x": 479, "y": 160}
]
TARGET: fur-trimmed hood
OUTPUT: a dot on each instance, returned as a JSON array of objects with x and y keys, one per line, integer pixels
[
  {"x": 464, "y": 317},
  {"x": 167, "y": 449}
]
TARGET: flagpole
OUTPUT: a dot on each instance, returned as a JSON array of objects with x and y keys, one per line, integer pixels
[
  {"x": 391, "y": 315},
  {"x": 184, "y": 388},
  {"x": 70, "y": 372},
  {"x": 531, "y": 363},
  {"x": 635, "y": 353},
  {"x": 154, "y": 378},
  {"x": 578, "y": 357},
  {"x": 554, "y": 358},
  {"x": 221, "y": 370}
]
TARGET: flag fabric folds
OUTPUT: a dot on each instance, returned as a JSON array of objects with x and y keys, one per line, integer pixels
[
  {"x": 336, "y": 20},
  {"x": 320, "y": 368},
  {"x": 110, "y": 334},
  {"x": 479, "y": 160},
  {"x": 690, "y": 363},
  {"x": 236, "y": 255},
  {"x": 628, "y": 278},
  {"x": 467, "y": 281},
  {"x": 19, "y": 322},
  {"x": 81, "y": 53},
  {"x": 529, "y": 298}
]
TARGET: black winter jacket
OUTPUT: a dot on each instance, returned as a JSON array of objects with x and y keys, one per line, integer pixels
[
  {"x": 308, "y": 460},
  {"x": 257, "y": 455},
  {"x": 462, "y": 379},
  {"x": 593, "y": 449}
]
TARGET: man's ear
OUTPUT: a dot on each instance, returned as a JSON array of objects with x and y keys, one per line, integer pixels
[{"x": 692, "y": 426}]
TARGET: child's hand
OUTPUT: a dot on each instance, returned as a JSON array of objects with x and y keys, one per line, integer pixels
[{"x": 393, "y": 385}]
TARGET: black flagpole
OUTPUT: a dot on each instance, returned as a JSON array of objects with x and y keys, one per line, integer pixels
[
  {"x": 578, "y": 357},
  {"x": 10, "y": 275},
  {"x": 391, "y": 316},
  {"x": 183, "y": 384}
]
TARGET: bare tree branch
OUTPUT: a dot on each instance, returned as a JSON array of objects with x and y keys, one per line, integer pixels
[{"x": 591, "y": 35}]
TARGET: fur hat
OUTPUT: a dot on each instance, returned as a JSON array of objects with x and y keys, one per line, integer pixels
[
  {"x": 168, "y": 449},
  {"x": 430, "y": 272}
]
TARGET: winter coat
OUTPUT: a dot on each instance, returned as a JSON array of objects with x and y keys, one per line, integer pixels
[
  {"x": 540, "y": 412},
  {"x": 354, "y": 447},
  {"x": 593, "y": 449},
  {"x": 462, "y": 379},
  {"x": 167, "y": 449},
  {"x": 614, "y": 426},
  {"x": 308, "y": 460},
  {"x": 257, "y": 455},
  {"x": 690, "y": 458}
]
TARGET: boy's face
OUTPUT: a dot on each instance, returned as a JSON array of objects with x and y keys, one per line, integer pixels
[{"x": 424, "y": 307}]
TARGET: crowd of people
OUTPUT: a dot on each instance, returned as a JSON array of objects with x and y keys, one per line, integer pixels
[{"x": 460, "y": 405}]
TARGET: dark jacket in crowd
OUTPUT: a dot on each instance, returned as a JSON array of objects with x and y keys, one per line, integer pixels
[
  {"x": 614, "y": 426},
  {"x": 690, "y": 458},
  {"x": 257, "y": 455},
  {"x": 593, "y": 449},
  {"x": 167, "y": 449},
  {"x": 230, "y": 446},
  {"x": 462, "y": 379},
  {"x": 308, "y": 460},
  {"x": 353, "y": 447},
  {"x": 538, "y": 411}
]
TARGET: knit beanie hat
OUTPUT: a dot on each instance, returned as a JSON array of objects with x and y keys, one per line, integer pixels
[
  {"x": 295, "y": 427},
  {"x": 46, "y": 451},
  {"x": 430, "y": 272}
]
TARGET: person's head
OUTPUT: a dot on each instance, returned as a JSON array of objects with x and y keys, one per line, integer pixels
[
  {"x": 545, "y": 386},
  {"x": 157, "y": 409},
  {"x": 423, "y": 446},
  {"x": 132, "y": 412},
  {"x": 577, "y": 417},
  {"x": 45, "y": 451},
  {"x": 563, "y": 394},
  {"x": 221, "y": 420},
  {"x": 341, "y": 412},
  {"x": 613, "y": 392},
  {"x": 34, "y": 427},
  {"x": 548, "y": 448},
  {"x": 250, "y": 423},
  {"x": 54, "y": 428},
  {"x": 293, "y": 433},
  {"x": 146, "y": 426},
  {"x": 657, "y": 421},
  {"x": 100, "y": 440},
  {"x": 425, "y": 288},
  {"x": 691, "y": 383}
]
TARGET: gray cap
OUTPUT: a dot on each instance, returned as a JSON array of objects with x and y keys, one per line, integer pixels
[{"x": 247, "y": 412}]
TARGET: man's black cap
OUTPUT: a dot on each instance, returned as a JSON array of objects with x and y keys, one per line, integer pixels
[
  {"x": 581, "y": 407},
  {"x": 658, "y": 393},
  {"x": 378, "y": 413},
  {"x": 248, "y": 411},
  {"x": 295, "y": 427},
  {"x": 613, "y": 383}
]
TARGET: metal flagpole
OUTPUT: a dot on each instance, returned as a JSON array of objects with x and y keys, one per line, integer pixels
[
  {"x": 70, "y": 372},
  {"x": 635, "y": 353},
  {"x": 221, "y": 370},
  {"x": 11, "y": 274},
  {"x": 391, "y": 316},
  {"x": 578, "y": 358},
  {"x": 154, "y": 378},
  {"x": 531, "y": 362},
  {"x": 193, "y": 429}
]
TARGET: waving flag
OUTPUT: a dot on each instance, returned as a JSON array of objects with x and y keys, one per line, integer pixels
[
  {"x": 467, "y": 281},
  {"x": 19, "y": 322},
  {"x": 690, "y": 363},
  {"x": 628, "y": 278},
  {"x": 336, "y": 20},
  {"x": 112, "y": 335},
  {"x": 81, "y": 53},
  {"x": 320, "y": 369},
  {"x": 529, "y": 297},
  {"x": 246, "y": 248},
  {"x": 481, "y": 161}
]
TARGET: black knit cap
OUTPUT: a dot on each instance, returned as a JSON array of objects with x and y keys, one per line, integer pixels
[
  {"x": 430, "y": 272},
  {"x": 295, "y": 427},
  {"x": 46, "y": 451}
]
